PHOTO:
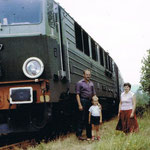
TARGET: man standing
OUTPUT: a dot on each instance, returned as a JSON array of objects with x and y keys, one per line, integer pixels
[{"x": 84, "y": 92}]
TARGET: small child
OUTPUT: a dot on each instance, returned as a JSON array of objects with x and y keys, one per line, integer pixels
[{"x": 95, "y": 117}]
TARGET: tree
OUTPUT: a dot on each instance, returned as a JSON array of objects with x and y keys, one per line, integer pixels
[
  {"x": 142, "y": 102},
  {"x": 142, "y": 98},
  {"x": 145, "y": 73}
]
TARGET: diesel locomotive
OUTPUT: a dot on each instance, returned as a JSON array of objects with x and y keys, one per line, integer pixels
[{"x": 43, "y": 52}]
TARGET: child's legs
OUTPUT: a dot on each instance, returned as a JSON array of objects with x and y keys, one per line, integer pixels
[
  {"x": 93, "y": 130},
  {"x": 97, "y": 130}
]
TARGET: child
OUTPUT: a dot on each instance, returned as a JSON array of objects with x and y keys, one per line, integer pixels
[{"x": 95, "y": 117}]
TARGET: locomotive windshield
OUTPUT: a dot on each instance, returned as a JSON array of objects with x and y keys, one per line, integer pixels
[{"x": 14, "y": 12}]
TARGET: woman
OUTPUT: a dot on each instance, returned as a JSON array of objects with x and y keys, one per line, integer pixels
[{"x": 127, "y": 118}]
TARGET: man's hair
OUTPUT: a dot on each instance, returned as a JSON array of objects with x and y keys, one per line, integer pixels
[
  {"x": 127, "y": 84},
  {"x": 86, "y": 70}
]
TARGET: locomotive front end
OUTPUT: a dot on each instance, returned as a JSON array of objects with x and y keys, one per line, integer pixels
[{"x": 24, "y": 67}]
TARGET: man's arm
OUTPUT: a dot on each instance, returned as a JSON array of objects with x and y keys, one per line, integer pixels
[
  {"x": 94, "y": 92},
  {"x": 79, "y": 102},
  {"x": 78, "y": 96},
  {"x": 89, "y": 117}
]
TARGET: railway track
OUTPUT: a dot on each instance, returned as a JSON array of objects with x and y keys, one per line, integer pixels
[
  {"x": 24, "y": 140},
  {"x": 24, "y": 145}
]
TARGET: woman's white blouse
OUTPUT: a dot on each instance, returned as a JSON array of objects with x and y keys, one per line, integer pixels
[{"x": 126, "y": 99}]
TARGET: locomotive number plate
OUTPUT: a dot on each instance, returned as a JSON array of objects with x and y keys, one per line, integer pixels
[{"x": 21, "y": 95}]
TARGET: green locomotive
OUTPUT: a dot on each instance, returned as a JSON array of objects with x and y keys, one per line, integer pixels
[{"x": 43, "y": 52}]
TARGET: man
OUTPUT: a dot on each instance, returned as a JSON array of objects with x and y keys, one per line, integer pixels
[{"x": 84, "y": 92}]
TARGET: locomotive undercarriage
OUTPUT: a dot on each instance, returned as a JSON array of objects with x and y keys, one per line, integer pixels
[
  {"x": 26, "y": 118},
  {"x": 20, "y": 115}
]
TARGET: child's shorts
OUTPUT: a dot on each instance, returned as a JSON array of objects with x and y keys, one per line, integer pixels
[{"x": 95, "y": 120}]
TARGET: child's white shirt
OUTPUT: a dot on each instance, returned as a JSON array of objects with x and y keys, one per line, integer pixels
[{"x": 95, "y": 110}]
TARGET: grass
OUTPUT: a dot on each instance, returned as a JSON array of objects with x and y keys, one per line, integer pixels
[{"x": 110, "y": 139}]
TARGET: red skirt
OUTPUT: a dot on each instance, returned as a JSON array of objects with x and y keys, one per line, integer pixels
[{"x": 127, "y": 124}]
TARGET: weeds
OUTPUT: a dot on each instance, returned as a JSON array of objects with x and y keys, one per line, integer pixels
[{"x": 110, "y": 138}]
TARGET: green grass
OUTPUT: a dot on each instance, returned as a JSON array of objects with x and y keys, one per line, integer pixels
[{"x": 110, "y": 139}]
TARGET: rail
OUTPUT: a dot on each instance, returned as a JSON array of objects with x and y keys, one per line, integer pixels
[{"x": 23, "y": 145}]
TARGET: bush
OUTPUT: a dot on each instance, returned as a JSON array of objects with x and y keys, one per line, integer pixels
[{"x": 142, "y": 102}]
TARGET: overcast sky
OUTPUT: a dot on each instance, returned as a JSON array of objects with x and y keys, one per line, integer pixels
[{"x": 121, "y": 27}]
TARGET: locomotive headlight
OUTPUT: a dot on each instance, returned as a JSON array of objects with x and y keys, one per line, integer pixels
[{"x": 33, "y": 67}]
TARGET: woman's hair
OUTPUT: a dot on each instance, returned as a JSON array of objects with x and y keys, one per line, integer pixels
[{"x": 127, "y": 84}]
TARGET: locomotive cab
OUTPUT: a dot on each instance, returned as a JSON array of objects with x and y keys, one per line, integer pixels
[{"x": 21, "y": 17}]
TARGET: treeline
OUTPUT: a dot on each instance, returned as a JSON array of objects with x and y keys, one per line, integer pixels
[
  {"x": 145, "y": 73},
  {"x": 143, "y": 93},
  {"x": 143, "y": 102}
]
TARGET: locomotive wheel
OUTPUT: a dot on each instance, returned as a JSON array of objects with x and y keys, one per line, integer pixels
[{"x": 40, "y": 116}]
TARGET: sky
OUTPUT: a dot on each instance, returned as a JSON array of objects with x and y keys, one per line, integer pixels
[{"x": 121, "y": 27}]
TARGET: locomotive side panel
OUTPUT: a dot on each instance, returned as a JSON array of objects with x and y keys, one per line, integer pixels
[{"x": 77, "y": 61}]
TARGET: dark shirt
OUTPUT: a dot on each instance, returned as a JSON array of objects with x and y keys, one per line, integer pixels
[{"x": 84, "y": 89}]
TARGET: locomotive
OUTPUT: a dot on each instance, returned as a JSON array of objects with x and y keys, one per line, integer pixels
[{"x": 43, "y": 52}]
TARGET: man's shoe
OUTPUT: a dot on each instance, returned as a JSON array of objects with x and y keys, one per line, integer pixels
[
  {"x": 88, "y": 139},
  {"x": 81, "y": 138}
]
